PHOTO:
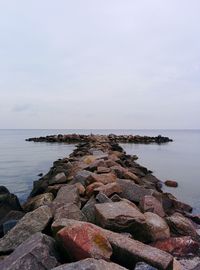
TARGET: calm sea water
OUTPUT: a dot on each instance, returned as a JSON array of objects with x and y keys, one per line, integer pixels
[{"x": 21, "y": 161}]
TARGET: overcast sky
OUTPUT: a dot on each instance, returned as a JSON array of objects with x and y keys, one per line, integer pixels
[{"x": 99, "y": 64}]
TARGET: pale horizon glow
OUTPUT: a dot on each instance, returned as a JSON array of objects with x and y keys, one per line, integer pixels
[{"x": 99, "y": 64}]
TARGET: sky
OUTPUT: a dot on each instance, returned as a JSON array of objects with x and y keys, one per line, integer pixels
[{"x": 108, "y": 64}]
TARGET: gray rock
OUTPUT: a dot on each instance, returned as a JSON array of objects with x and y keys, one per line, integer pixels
[
  {"x": 8, "y": 202},
  {"x": 81, "y": 177},
  {"x": 89, "y": 210},
  {"x": 102, "y": 198},
  {"x": 68, "y": 194},
  {"x": 8, "y": 225},
  {"x": 132, "y": 191},
  {"x": 90, "y": 264},
  {"x": 37, "y": 252},
  {"x": 144, "y": 266},
  {"x": 31, "y": 223},
  {"x": 37, "y": 201},
  {"x": 70, "y": 211},
  {"x": 58, "y": 179}
]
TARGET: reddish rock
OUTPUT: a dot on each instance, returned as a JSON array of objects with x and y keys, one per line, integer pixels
[
  {"x": 126, "y": 251},
  {"x": 149, "y": 203},
  {"x": 171, "y": 183},
  {"x": 181, "y": 225},
  {"x": 119, "y": 216},
  {"x": 109, "y": 189},
  {"x": 81, "y": 189},
  {"x": 81, "y": 241},
  {"x": 105, "y": 178},
  {"x": 90, "y": 188},
  {"x": 179, "y": 246}
]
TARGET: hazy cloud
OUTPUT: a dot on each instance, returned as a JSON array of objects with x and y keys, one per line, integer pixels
[{"x": 99, "y": 64}]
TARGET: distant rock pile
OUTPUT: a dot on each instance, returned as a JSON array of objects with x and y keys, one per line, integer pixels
[
  {"x": 99, "y": 209},
  {"x": 74, "y": 138}
]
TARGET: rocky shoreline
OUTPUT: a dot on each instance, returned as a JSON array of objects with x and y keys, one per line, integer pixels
[{"x": 98, "y": 209}]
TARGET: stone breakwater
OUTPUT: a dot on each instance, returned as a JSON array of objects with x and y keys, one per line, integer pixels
[
  {"x": 98, "y": 209},
  {"x": 74, "y": 138}
]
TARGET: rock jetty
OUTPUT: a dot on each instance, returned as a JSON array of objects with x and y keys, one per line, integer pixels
[
  {"x": 74, "y": 138},
  {"x": 97, "y": 209}
]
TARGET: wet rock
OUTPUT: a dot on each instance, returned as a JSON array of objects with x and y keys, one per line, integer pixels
[
  {"x": 109, "y": 189},
  {"x": 157, "y": 227},
  {"x": 70, "y": 211},
  {"x": 132, "y": 191},
  {"x": 179, "y": 246},
  {"x": 8, "y": 202},
  {"x": 82, "y": 241},
  {"x": 144, "y": 266},
  {"x": 181, "y": 225},
  {"x": 68, "y": 194},
  {"x": 10, "y": 219},
  {"x": 119, "y": 216},
  {"x": 37, "y": 252},
  {"x": 31, "y": 223},
  {"x": 4, "y": 190},
  {"x": 171, "y": 204},
  {"x": 90, "y": 264},
  {"x": 149, "y": 203},
  {"x": 39, "y": 186},
  {"x": 59, "y": 178},
  {"x": 105, "y": 178},
  {"x": 171, "y": 183},
  {"x": 37, "y": 201}
]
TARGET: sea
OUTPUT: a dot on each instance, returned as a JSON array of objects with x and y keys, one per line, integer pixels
[{"x": 22, "y": 161}]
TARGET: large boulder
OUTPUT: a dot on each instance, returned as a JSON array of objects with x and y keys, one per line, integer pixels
[
  {"x": 89, "y": 210},
  {"x": 31, "y": 223},
  {"x": 8, "y": 202},
  {"x": 68, "y": 194},
  {"x": 69, "y": 210},
  {"x": 90, "y": 264},
  {"x": 119, "y": 216},
  {"x": 82, "y": 241},
  {"x": 149, "y": 203},
  {"x": 37, "y": 201},
  {"x": 181, "y": 225},
  {"x": 179, "y": 246},
  {"x": 156, "y": 227},
  {"x": 126, "y": 251},
  {"x": 37, "y": 252},
  {"x": 132, "y": 191}
]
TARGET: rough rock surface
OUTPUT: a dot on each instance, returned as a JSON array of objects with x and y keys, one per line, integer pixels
[
  {"x": 58, "y": 179},
  {"x": 69, "y": 210},
  {"x": 68, "y": 194},
  {"x": 90, "y": 264},
  {"x": 144, "y": 266},
  {"x": 151, "y": 204},
  {"x": 119, "y": 216},
  {"x": 157, "y": 227},
  {"x": 179, "y": 246},
  {"x": 31, "y": 223},
  {"x": 37, "y": 201},
  {"x": 37, "y": 252},
  {"x": 181, "y": 225},
  {"x": 82, "y": 241}
]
